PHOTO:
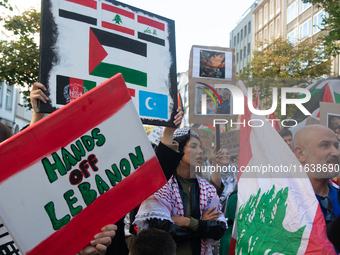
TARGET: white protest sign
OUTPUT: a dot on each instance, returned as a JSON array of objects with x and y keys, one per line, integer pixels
[
  {"x": 85, "y": 42},
  {"x": 77, "y": 170},
  {"x": 155, "y": 134}
]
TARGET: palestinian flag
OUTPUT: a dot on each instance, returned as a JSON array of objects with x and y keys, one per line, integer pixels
[
  {"x": 118, "y": 19},
  {"x": 277, "y": 211},
  {"x": 69, "y": 89},
  {"x": 90, "y": 165},
  {"x": 322, "y": 91}
]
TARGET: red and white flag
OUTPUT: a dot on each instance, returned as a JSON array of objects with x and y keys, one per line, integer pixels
[
  {"x": 277, "y": 211},
  {"x": 118, "y": 19},
  {"x": 80, "y": 168}
]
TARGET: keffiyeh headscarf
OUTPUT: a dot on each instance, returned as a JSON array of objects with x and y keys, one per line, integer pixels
[
  {"x": 182, "y": 136},
  {"x": 167, "y": 202}
]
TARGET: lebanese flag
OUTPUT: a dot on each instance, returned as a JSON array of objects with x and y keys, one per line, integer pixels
[
  {"x": 118, "y": 19},
  {"x": 51, "y": 207},
  {"x": 277, "y": 212}
]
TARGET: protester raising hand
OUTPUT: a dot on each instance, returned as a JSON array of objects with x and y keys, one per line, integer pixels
[{"x": 35, "y": 95}]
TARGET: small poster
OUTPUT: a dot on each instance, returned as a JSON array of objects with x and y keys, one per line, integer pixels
[{"x": 210, "y": 68}]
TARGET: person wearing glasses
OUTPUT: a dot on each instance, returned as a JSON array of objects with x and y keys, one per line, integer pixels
[{"x": 316, "y": 147}]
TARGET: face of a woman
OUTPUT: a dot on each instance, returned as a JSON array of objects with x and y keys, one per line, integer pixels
[
  {"x": 225, "y": 159},
  {"x": 193, "y": 153}
]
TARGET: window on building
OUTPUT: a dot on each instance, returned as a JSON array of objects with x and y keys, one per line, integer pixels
[
  {"x": 186, "y": 88},
  {"x": 238, "y": 38},
  {"x": 244, "y": 51},
  {"x": 292, "y": 36},
  {"x": 265, "y": 34},
  {"x": 237, "y": 55},
  {"x": 241, "y": 71},
  {"x": 318, "y": 18},
  {"x": 245, "y": 30},
  {"x": 265, "y": 14},
  {"x": 240, "y": 54},
  {"x": 304, "y": 6},
  {"x": 271, "y": 9},
  {"x": 241, "y": 34},
  {"x": 260, "y": 19},
  {"x": 305, "y": 29},
  {"x": 292, "y": 11},
  {"x": 249, "y": 27},
  {"x": 278, "y": 5},
  {"x": 248, "y": 52},
  {"x": 9, "y": 97},
  {"x": 278, "y": 26},
  {"x": 234, "y": 41},
  {"x": 230, "y": 44},
  {"x": 271, "y": 30}
]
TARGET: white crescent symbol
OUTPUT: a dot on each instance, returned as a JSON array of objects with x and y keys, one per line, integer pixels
[{"x": 147, "y": 103}]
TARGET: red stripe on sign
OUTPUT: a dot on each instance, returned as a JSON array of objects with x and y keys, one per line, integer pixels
[
  {"x": 76, "y": 88},
  {"x": 117, "y": 202},
  {"x": 118, "y": 28},
  {"x": 49, "y": 134},
  {"x": 151, "y": 22},
  {"x": 132, "y": 92},
  {"x": 114, "y": 9},
  {"x": 88, "y": 3}
]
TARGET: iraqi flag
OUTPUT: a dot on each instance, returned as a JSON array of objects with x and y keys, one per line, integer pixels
[
  {"x": 80, "y": 168},
  {"x": 277, "y": 211},
  {"x": 151, "y": 30},
  {"x": 118, "y": 19}
]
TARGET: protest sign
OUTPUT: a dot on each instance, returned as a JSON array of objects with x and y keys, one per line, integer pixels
[
  {"x": 77, "y": 170},
  {"x": 206, "y": 141},
  {"x": 210, "y": 67},
  {"x": 83, "y": 43},
  {"x": 231, "y": 141},
  {"x": 156, "y": 134}
]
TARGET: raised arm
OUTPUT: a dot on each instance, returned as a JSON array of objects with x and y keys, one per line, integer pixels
[{"x": 35, "y": 95}]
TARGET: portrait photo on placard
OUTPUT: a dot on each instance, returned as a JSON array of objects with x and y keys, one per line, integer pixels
[
  {"x": 212, "y": 64},
  {"x": 209, "y": 100}
]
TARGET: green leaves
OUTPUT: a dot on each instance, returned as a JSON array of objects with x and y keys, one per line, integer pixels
[{"x": 19, "y": 61}]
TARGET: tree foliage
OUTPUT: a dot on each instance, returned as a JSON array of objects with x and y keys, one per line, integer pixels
[
  {"x": 283, "y": 64},
  {"x": 19, "y": 62},
  {"x": 331, "y": 24}
]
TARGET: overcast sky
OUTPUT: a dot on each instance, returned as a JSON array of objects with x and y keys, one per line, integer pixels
[{"x": 197, "y": 22}]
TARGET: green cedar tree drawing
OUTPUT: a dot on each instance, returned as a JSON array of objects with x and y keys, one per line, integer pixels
[
  {"x": 117, "y": 19},
  {"x": 259, "y": 225}
]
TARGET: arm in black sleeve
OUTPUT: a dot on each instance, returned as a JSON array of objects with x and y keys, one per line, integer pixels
[
  {"x": 178, "y": 233},
  {"x": 168, "y": 159},
  {"x": 211, "y": 229}
]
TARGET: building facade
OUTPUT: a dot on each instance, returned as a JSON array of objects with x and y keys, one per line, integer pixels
[
  {"x": 241, "y": 38},
  {"x": 11, "y": 114},
  {"x": 290, "y": 19}
]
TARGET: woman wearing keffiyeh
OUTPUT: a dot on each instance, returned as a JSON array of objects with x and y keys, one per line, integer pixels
[{"x": 181, "y": 206}]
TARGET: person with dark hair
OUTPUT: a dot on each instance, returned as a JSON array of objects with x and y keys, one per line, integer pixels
[
  {"x": 153, "y": 242},
  {"x": 287, "y": 136},
  {"x": 181, "y": 206},
  {"x": 5, "y": 132}
]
